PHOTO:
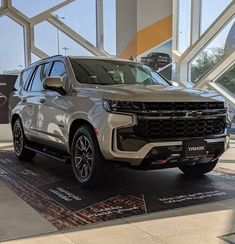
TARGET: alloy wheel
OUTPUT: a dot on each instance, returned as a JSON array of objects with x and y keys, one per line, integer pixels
[
  {"x": 84, "y": 158},
  {"x": 18, "y": 139}
]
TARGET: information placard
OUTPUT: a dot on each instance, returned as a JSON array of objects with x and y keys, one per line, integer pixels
[{"x": 6, "y": 87}]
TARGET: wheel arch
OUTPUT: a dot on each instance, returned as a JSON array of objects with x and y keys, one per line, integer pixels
[
  {"x": 74, "y": 126},
  {"x": 14, "y": 118}
]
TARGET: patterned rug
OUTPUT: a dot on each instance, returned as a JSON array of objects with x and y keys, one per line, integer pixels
[{"x": 50, "y": 188}]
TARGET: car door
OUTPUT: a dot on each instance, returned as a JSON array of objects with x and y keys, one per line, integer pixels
[
  {"x": 33, "y": 98},
  {"x": 27, "y": 108},
  {"x": 52, "y": 112}
]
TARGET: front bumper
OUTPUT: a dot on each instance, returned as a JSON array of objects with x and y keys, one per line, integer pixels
[
  {"x": 174, "y": 156},
  {"x": 170, "y": 151},
  {"x": 110, "y": 150}
]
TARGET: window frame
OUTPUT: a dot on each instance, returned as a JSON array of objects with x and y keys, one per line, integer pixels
[
  {"x": 58, "y": 61},
  {"x": 66, "y": 81},
  {"x": 30, "y": 83},
  {"x": 25, "y": 85},
  {"x": 74, "y": 60}
]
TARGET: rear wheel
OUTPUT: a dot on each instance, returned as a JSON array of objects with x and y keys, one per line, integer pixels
[
  {"x": 198, "y": 170},
  {"x": 20, "y": 141},
  {"x": 89, "y": 166}
]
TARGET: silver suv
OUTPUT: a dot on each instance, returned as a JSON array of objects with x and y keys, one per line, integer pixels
[{"x": 98, "y": 112}]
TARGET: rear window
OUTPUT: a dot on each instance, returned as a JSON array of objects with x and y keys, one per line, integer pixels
[
  {"x": 22, "y": 78},
  {"x": 160, "y": 55},
  {"x": 17, "y": 83}
]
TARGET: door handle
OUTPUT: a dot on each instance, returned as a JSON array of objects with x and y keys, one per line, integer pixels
[{"x": 42, "y": 100}]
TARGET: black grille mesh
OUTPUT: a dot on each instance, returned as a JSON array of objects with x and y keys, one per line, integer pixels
[
  {"x": 157, "y": 129},
  {"x": 184, "y": 106},
  {"x": 171, "y": 120}
]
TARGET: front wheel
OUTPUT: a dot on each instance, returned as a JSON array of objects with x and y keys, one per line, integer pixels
[
  {"x": 198, "y": 170},
  {"x": 89, "y": 166}
]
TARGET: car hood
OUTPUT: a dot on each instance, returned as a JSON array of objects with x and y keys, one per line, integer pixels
[{"x": 153, "y": 93}]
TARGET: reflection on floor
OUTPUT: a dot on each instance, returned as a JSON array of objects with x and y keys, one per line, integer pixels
[{"x": 50, "y": 188}]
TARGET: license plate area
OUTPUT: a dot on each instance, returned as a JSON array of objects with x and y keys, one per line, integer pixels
[{"x": 194, "y": 149}]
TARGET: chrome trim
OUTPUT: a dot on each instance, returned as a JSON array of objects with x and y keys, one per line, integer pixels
[
  {"x": 181, "y": 117},
  {"x": 176, "y": 143},
  {"x": 222, "y": 139},
  {"x": 136, "y": 157},
  {"x": 194, "y": 114},
  {"x": 171, "y": 114},
  {"x": 183, "y": 111}
]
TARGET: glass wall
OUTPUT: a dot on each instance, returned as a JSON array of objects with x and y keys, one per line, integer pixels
[
  {"x": 56, "y": 42},
  {"x": 12, "y": 58},
  {"x": 80, "y": 16},
  {"x": 207, "y": 15},
  {"x": 109, "y": 19},
  {"x": 209, "y": 11},
  {"x": 184, "y": 25},
  {"x": 227, "y": 80},
  {"x": 31, "y": 8},
  {"x": 34, "y": 58},
  {"x": 212, "y": 53}
]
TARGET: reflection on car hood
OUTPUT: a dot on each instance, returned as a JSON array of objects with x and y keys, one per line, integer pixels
[{"x": 154, "y": 93}]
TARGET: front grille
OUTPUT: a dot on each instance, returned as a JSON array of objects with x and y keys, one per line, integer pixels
[
  {"x": 164, "y": 129},
  {"x": 170, "y": 121},
  {"x": 135, "y": 137}
]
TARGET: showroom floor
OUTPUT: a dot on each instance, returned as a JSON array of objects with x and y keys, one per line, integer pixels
[{"x": 38, "y": 205}]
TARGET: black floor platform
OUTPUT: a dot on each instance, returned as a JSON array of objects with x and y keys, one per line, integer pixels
[{"x": 50, "y": 188}]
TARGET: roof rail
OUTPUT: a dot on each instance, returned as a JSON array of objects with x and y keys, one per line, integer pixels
[{"x": 57, "y": 55}]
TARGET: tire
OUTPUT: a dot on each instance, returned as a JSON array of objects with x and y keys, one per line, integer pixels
[
  {"x": 20, "y": 141},
  {"x": 89, "y": 166},
  {"x": 198, "y": 170}
]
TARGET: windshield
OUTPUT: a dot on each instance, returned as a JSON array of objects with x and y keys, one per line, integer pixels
[{"x": 112, "y": 72}]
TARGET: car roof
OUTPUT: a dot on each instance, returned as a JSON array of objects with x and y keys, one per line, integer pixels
[
  {"x": 51, "y": 58},
  {"x": 100, "y": 58},
  {"x": 158, "y": 53}
]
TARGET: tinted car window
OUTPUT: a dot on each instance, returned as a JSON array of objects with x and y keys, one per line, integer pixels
[
  {"x": 40, "y": 74},
  {"x": 26, "y": 75},
  {"x": 17, "y": 83},
  {"x": 58, "y": 69},
  {"x": 112, "y": 72},
  {"x": 22, "y": 78}
]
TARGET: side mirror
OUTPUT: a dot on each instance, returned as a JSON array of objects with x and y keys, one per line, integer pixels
[
  {"x": 174, "y": 83},
  {"x": 54, "y": 83}
]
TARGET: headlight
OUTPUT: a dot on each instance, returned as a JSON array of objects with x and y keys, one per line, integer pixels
[{"x": 122, "y": 106}]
